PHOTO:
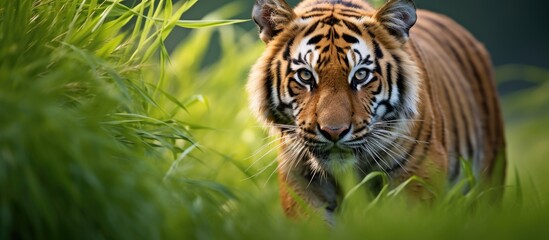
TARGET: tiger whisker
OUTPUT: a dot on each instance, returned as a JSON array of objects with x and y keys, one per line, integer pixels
[
  {"x": 393, "y": 144},
  {"x": 312, "y": 177},
  {"x": 261, "y": 157},
  {"x": 261, "y": 171},
  {"x": 398, "y": 135},
  {"x": 277, "y": 139},
  {"x": 291, "y": 157},
  {"x": 270, "y": 164},
  {"x": 367, "y": 149},
  {"x": 402, "y": 120},
  {"x": 390, "y": 153},
  {"x": 260, "y": 149}
]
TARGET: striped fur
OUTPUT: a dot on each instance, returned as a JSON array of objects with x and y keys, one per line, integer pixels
[{"x": 346, "y": 86}]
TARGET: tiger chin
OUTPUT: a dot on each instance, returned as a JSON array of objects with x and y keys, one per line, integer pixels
[{"x": 398, "y": 90}]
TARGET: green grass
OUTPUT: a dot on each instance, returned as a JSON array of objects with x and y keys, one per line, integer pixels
[{"x": 104, "y": 134}]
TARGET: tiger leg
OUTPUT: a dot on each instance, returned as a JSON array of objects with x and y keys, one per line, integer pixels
[{"x": 300, "y": 188}]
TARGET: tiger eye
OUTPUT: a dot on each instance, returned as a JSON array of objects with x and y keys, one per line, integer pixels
[
  {"x": 305, "y": 75},
  {"x": 361, "y": 74}
]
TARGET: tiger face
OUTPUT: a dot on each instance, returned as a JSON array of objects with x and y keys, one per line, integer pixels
[{"x": 335, "y": 80}]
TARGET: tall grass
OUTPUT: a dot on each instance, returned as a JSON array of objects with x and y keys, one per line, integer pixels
[
  {"x": 104, "y": 134},
  {"x": 85, "y": 148}
]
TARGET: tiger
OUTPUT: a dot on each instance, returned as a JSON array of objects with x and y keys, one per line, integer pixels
[{"x": 348, "y": 88}]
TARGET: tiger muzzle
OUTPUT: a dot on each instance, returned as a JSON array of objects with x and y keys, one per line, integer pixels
[{"x": 334, "y": 115}]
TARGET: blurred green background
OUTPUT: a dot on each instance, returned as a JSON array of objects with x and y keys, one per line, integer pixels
[{"x": 121, "y": 122}]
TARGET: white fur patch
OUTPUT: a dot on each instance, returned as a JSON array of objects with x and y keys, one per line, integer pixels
[{"x": 356, "y": 55}]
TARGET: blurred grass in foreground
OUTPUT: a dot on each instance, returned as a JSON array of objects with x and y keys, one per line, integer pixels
[{"x": 104, "y": 135}]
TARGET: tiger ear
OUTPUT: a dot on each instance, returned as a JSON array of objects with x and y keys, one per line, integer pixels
[
  {"x": 271, "y": 16},
  {"x": 398, "y": 16}
]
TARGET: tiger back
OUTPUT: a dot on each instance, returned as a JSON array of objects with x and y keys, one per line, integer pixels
[{"x": 348, "y": 87}]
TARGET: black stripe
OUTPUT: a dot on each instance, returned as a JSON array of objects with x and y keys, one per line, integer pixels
[
  {"x": 360, "y": 129},
  {"x": 351, "y": 10},
  {"x": 389, "y": 78},
  {"x": 311, "y": 29},
  {"x": 372, "y": 35},
  {"x": 276, "y": 113},
  {"x": 288, "y": 67},
  {"x": 298, "y": 111},
  {"x": 290, "y": 90},
  {"x": 377, "y": 50},
  {"x": 378, "y": 89},
  {"x": 278, "y": 80},
  {"x": 318, "y": 9},
  {"x": 286, "y": 54},
  {"x": 298, "y": 60},
  {"x": 280, "y": 108},
  {"x": 401, "y": 87},
  {"x": 329, "y": 35},
  {"x": 325, "y": 60},
  {"x": 343, "y": 59},
  {"x": 268, "y": 87},
  {"x": 312, "y": 15},
  {"x": 315, "y": 39},
  {"x": 352, "y": 27},
  {"x": 397, "y": 60},
  {"x": 349, "y": 39},
  {"x": 367, "y": 60},
  {"x": 350, "y": 15},
  {"x": 359, "y": 54},
  {"x": 377, "y": 69},
  {"x": 276, "y": 32}
]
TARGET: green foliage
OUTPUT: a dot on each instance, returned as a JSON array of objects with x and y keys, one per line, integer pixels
[
  {"x": 104, "y": 134},
  {"x": 84, "y": 144}
]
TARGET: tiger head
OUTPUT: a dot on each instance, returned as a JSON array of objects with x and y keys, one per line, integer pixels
[{"x": 335, "y": 79}]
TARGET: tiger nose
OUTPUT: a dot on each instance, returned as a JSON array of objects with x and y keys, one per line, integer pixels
[{"x": 333, "y": 133}]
